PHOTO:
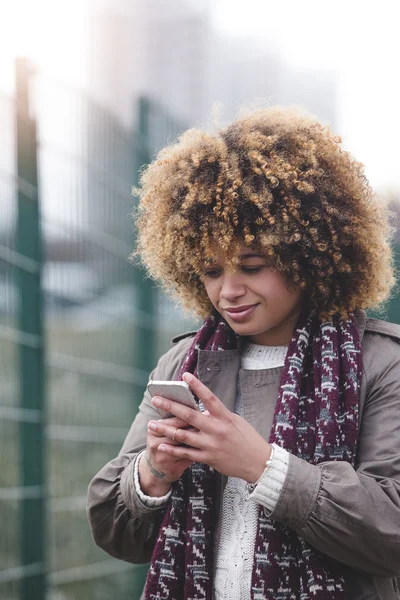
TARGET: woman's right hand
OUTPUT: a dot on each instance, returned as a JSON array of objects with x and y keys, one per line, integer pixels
[{"x": 157, "y": 470}]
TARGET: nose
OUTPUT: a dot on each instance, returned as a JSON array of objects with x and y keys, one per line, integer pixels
[{"x": 232, "y": 287}]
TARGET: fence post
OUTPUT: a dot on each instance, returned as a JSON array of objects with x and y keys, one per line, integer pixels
[
  {"x": 145, "y": 337},
  {"x": 32, "y": 432},
  {"x": 146, "y": 292}
]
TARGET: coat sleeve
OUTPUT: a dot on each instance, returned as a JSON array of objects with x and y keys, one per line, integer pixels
[
  {"x": 353, "y": 515},
  {"x": 121, "y": 524}
]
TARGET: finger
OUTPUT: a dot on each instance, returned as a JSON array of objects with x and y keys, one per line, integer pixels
[
  {"x": 210, "y": 400},
  {"x": 182, "y": 452},
  {"x": 153, "y": 441},
  {"x": 190, "y": 437},
  {"x": 158, "y": 430},
  {"x": 173, "y": 422},
  {"x": 189, "y": 415}
]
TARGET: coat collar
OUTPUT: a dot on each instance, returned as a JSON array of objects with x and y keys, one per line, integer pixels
[{"x": 361, "y": 321}]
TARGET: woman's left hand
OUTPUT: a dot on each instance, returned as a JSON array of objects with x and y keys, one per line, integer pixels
[{"x": 220, "y": 439}]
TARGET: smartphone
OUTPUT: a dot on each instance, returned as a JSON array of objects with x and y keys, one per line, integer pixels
[{"x": 179, "y": 391}]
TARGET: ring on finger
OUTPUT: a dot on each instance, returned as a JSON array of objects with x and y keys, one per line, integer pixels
[{"x": 173, "y": 435}]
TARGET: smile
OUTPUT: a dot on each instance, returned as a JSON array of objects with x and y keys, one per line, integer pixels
[{"x": 239, "y": 313}]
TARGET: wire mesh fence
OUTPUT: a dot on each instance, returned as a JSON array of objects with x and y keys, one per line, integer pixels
[
  {"x": 10, "y": 491},
  {"x": 79, "y": 327}
]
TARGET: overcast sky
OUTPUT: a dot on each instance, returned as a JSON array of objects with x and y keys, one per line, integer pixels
[{"x": 358, "y": 39}]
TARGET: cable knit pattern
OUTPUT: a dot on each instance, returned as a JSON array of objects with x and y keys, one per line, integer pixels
[
  {"x": 255, "y": 357},
  {"x": 238, "y": 530},
  {"x": 235, "y": 554},
  {"x": 270, "y": 484}
]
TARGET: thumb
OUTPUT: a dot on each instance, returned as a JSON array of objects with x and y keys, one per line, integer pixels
[{"x": 208, "y": 398}]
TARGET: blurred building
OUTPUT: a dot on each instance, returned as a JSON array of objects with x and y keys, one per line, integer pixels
[
  {"x": 171, "y": 52},
  {"x": 150, "y": 47},
  {"x": 240, "y": 72},
  {"x": 313, "y": 89},
  {"x": 244, "y": 72}
]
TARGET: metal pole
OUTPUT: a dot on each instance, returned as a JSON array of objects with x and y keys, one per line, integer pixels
[
  {"x": 32, "y": 434},
  {"x": 144, "y": 338},
  {"x": 146, "y": 292}
]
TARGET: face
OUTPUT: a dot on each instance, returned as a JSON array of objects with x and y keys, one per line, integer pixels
[{"x": 253, "y": 298}]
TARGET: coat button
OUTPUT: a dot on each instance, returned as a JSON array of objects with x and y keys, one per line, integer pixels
[{"x": 213, "y": 367}]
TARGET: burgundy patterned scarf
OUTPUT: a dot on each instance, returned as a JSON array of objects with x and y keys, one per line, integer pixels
[{"x": 323, "y": 364}]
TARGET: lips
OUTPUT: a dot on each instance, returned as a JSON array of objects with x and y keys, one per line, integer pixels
[
  {"x": 239, "y": 313},
  {"x": 238, "y": 309}
]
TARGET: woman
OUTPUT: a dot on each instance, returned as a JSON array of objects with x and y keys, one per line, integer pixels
[{"x": 286, "y": 485}]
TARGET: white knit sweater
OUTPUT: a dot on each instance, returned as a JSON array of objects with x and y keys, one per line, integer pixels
[{"x": 238, "y": 529}]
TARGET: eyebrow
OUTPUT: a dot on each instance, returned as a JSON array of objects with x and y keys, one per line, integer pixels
[
  {"x": 241, "y": 257},
  {"x": 252, "y": 255}
]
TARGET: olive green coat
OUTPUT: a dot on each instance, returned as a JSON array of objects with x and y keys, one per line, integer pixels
[{"x": 352, "y": 515}]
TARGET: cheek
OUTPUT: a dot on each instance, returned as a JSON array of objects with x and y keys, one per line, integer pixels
[
  {"x": 293, "y": 297},
  {"x": 212, "y": 291},
  {"x": 278, "y": 290}
]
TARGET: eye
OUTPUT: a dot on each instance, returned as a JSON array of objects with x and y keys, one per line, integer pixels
[
  {"x": 252, "y": 269},
  {"x": 213, "y": 273}
]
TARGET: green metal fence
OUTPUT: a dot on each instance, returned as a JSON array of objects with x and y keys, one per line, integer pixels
[
  {"x": 79, "y": 329},
  {"x": 11, "y": 414}
]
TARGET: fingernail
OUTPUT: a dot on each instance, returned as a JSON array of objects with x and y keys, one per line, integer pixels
[
  {"x": 156, "y": 401},
  {"x": 161, "y": 447},
  {"x": 152, "y": 426},
  {"x": 188, "y": 377}
]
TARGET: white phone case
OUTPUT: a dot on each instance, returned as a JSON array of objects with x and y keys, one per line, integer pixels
[{"x": 179, "y": 391}]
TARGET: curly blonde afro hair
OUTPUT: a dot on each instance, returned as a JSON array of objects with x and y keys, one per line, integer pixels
[{"x": 280, "y": 182}]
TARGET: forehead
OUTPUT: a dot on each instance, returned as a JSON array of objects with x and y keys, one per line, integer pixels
[{"x": 237, "y": 253}]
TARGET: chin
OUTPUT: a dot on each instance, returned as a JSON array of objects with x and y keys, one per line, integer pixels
[{"x": 248, "y": 330}]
